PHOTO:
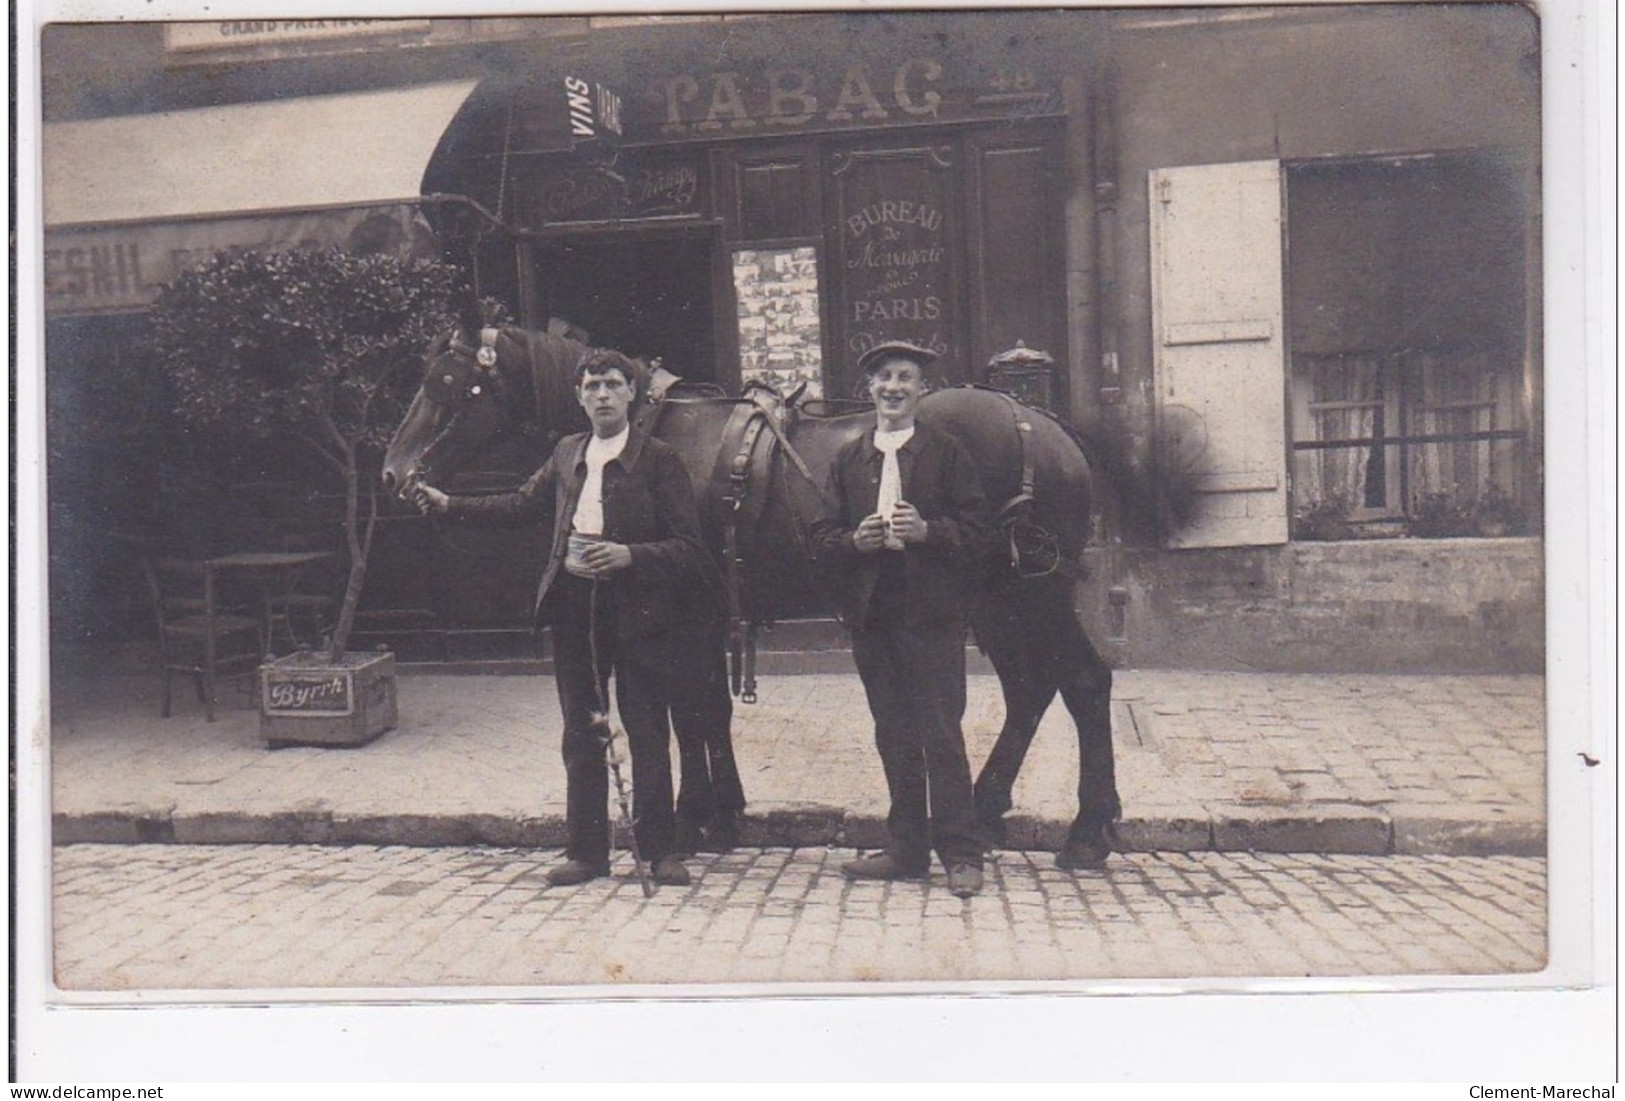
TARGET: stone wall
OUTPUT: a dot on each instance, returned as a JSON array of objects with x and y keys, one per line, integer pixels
[{"x": 1393, "y": 605}]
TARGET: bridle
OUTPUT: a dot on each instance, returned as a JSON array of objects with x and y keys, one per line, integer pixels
[{"x": 478, "y": 377}]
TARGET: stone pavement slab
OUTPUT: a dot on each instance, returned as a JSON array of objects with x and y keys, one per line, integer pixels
[
  {"x": 169, "y": 917},
  {"x": 1206, "y": 762}
]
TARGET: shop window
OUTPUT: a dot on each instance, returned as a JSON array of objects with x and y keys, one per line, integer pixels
[
  {"x": 779, "y": 332},
  {"x": 1406, "y": 298}
]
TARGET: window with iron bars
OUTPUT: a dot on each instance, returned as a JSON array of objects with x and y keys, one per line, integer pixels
[{"x": 1410, "y": 399}]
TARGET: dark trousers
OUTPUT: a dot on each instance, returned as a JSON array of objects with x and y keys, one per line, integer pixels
[
  {"x": 702, "y": 718},
  {"x": 915, "y": 680},
  {"x": 641, "y": 701}
]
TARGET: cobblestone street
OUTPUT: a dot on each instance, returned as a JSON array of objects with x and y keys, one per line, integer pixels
[{"x": 191, "y": 916}]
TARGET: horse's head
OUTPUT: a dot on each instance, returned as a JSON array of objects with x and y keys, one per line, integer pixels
[{"x": 471, "y": 392}]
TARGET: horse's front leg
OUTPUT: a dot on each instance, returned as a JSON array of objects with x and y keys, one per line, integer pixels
[{"x": 710, "y": 795}]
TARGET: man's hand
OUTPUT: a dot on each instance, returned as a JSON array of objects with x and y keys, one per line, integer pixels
[
  {"x": 603, "y": 558},
  {"x": 429, "y": 499},
  {"x": 907, "y": 523},
  {"x": 871, "y": 534}
]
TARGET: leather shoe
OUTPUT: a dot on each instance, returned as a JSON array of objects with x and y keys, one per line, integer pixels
[
  {"x": 965, "y": 880},
  {"x": 572, "y": 872},
  {"x": 670, "y": 872},
  {"x": 885, "y": 866}
]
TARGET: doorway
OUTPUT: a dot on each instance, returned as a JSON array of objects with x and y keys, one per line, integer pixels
[{"x": 647, "y": 294}]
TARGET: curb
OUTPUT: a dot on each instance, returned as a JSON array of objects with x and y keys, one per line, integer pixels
[{"x": 1325, "y": 831}]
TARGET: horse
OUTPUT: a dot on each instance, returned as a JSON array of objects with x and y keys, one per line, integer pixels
[{"x": 758, "y": 463}]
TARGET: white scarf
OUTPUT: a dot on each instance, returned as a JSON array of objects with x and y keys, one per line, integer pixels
[
  {"x": 891, "y": 476},
  {"x": 589, "y": 515}
]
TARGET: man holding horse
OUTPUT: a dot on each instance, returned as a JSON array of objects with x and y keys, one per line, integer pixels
[
  {"x": 625, "y": 555},
  {"x": 908, "y": 528}
]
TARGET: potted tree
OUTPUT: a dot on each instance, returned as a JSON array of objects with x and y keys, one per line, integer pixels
[{"x": 318, "y": 347}]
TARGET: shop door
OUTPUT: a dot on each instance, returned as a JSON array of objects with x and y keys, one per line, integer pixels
[
  {"x": 648, "y": 294},
  {"x": 954, "y": 241}
]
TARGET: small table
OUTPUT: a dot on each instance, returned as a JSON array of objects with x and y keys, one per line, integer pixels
[
  {"x": 262, "y": 565},
  {"x": 265, "y": 560}
]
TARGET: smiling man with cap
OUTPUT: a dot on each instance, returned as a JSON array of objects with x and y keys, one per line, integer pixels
[{"x": 909, "y": 520}]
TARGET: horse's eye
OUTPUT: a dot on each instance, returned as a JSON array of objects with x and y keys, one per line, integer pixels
[{"x": 473, "y": 391}]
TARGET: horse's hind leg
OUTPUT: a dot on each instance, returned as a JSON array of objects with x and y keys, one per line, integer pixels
[
  {"x": 1013, "y": 643},
  {"x": 1086, "y": 688}
]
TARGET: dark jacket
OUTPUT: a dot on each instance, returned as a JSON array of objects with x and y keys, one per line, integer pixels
[
  {"x": 648, "y": 505},
  {"x": 939, "y": 480}
]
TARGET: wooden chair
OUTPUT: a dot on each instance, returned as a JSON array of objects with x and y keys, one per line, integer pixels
[{"x": 196, "y": 636}]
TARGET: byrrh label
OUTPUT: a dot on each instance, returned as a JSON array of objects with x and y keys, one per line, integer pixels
[{"x": 307, "y": 693}]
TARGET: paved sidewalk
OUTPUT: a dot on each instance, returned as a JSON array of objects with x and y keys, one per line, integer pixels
[
  {"x": 173, "y": 917},
  {"x": 1206, "y": 762}
]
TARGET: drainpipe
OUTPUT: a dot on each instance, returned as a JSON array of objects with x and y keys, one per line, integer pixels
[
  {"x": 1109, "y": 386},
  {"x": 1108, "y": 376}
]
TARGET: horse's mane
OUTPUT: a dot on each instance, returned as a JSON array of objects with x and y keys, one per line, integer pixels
[{"x": 549, "y": 360}]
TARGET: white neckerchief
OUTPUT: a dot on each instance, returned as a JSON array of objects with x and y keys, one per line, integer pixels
[
  {"x": 887, "y": 441},
  {"x": 589, "y": 517}
]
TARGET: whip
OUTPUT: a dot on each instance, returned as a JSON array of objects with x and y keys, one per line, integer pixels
[{"x": 607, "y": 736}]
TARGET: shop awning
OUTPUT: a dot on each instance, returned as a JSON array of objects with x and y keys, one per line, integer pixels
[
  {"x": 130, "y": 200},
  {"x": 276, "y": 155}
]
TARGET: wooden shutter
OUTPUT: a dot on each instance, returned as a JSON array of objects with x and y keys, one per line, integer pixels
[{"x": 1219, "y": 348}]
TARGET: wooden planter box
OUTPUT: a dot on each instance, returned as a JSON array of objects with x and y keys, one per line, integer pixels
[{"x": 307, "y": 700}]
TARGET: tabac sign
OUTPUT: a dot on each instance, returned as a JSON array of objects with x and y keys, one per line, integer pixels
[{"x": 741, "y": 103}]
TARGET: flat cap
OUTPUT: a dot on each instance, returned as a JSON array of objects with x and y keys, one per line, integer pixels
[{"x": 900, "y": 349}]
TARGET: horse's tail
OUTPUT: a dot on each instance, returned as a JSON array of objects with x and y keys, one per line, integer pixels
[{"x": 1157, "y": 496}]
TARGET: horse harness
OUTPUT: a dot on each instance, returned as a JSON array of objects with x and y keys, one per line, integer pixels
[
  {"x": 739, "y": 482},
  {"x": 1033, "y": 550}
]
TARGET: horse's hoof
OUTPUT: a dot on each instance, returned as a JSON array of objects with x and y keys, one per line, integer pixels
[
  {"x": 1081, "y": 858},
  {"x": 994, "y": 831},
  {"x": 688, "y": 839},
  {"x": 1087, "y": 853},
  {"x": 722, "y": 835}
]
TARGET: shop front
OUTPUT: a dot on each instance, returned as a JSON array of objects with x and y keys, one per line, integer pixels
[
  {"x": 771, "y": 214},
  {"x": 1288, "y": 256},
  {"x": 1329, "y": 249},
  {"x": 765, "y": 216}
]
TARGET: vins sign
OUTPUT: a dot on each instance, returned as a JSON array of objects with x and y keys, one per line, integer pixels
[{"x": 595, "y": 111}]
